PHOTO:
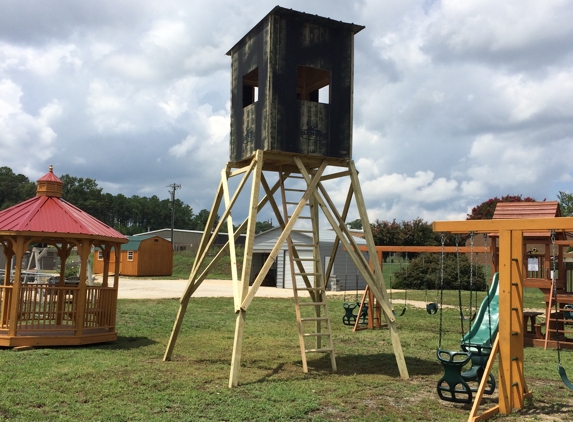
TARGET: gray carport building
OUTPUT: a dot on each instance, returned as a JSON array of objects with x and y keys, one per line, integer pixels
[{"x": 280, "y": 274}]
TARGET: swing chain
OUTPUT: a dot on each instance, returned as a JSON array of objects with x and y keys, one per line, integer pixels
[
  {"x": 560, "y": 368},
  {"x": 486, "y": 286},
  {"x": 462, "y": 318},
  {"x": 443, "y": 239},
  {"x": 554, "y": 283}
]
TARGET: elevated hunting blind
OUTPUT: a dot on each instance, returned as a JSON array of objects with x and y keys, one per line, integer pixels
[
  {"x": 291, "y": 86},
  {"x": 291, "y": 130}
]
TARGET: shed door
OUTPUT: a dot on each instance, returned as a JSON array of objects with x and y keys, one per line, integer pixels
[{"x": 308, "y": 265}]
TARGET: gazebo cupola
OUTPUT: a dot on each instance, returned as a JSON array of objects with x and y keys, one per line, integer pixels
[{"x": 49, "y": 185}]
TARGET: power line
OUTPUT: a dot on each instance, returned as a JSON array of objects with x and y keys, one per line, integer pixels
[{"x": 174, "y": 187}]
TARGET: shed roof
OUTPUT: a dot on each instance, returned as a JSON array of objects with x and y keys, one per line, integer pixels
[
  {"x": 48, "y": 213},
  {"x": 134, "y": 242},
  {"x": 545, "y": 209},
  {"x": 513, "y": 210}
]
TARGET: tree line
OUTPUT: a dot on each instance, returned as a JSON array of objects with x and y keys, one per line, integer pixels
[
  {"x": 128, "y": 215},
  {"x": 137, "y": 214}
]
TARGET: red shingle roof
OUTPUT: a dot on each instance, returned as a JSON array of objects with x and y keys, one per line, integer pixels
[{"x": 545, "y": 209}]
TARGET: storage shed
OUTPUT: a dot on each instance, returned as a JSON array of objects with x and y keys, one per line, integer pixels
[
  {"x": 142, "y": 257},
  {"x": 279, "y": 276}
]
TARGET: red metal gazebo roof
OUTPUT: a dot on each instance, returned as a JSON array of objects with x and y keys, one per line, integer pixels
[{"x": 47, "y": 212}]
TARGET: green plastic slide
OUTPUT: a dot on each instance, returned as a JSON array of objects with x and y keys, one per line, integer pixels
[{"x": 486, "y": 322}]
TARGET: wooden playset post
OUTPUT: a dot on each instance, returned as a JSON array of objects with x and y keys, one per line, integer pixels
[{"x": 509, "y": 347}]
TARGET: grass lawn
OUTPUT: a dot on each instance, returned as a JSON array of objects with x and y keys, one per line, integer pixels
[{"x": 128, "y": 381}]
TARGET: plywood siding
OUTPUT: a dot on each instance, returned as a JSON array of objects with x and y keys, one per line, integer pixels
[{"x": 155, "y": 257}]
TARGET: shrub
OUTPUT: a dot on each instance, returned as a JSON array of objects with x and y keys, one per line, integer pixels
[{"x": 424, "y": 273}]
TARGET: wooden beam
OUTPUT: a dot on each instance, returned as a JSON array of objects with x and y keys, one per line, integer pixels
[
  {"x": 231, "y": 239},
  {"x": 429, "y": 249},
  {"x": 380, "y": 291},
  {"x": 488, "y": 226},
  {"x": 237, "y": 349},
  {"x": 483, "y": 384}
]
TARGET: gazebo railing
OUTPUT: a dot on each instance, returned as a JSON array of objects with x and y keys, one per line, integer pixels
[{"x": 49, "y": 308}]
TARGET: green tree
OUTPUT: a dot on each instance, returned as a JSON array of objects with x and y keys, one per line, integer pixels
[
  {"x": 14, "y": 188},
  {"x": 387, "y": 233},
  {"x": 84, "y": 194},
  {"x": 485, "y": 210},
  {"x": 566, "y": 203},
  {"x": 355, "y": 224},
  {"x": 263, "y": 226},
  {"x": 407, "y": 233},
  {"x": 418, "y": 233},
  {"x": 200, "y": 220}
]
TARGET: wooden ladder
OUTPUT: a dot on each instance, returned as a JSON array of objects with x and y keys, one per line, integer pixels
[{"x": 313, "y": 320}]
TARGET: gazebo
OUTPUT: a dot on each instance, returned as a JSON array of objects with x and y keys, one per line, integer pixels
[{"x": 53, "y": 311}]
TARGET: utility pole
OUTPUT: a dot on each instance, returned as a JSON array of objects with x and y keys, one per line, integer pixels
[{"x": 174, "y": 187}]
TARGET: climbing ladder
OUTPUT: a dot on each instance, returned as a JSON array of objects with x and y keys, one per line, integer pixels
[{"x": 312, "y": 316}]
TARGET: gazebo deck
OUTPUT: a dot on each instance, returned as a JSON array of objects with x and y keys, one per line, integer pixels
[{"x": 48, "y": 315}]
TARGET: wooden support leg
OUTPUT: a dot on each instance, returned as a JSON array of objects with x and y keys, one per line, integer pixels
[
  {"x": 176, "y": 329},
  {"x": 237, "y": 347}
]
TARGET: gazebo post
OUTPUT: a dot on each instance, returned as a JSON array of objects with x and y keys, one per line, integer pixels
[
  {"x": 84, "y": 250},
  {"x": 15, "y": 299},
  {"x": 106, "y": 252},
  {"x": 117, "y": 250},
  {"x": 63, "y": 253},
  {"x": 8, "y": 253}
]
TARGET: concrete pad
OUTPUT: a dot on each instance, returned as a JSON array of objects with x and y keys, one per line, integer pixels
[{"x": 132, "y": 288}]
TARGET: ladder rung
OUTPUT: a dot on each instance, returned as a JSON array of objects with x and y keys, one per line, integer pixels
[
  {"x": 305, "y": 217},
  {"x": 314, "y": 289},
  {"x": 325, "y": 350},
  {"x": 307, "y": 274},
  {"x": 294, "y": 203},
  {"x": 316, "y": 335},
  {"x": 314, "y": 319},
  {"x": 295, "y": 190},
  {"x": 304, "y": 259},
  {"x": 302, "y": 231}
]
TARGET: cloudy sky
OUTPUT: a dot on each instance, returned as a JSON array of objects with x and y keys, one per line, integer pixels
[{"x": 455, "y": 101}]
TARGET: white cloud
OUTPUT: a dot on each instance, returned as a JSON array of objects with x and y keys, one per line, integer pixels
[
  {"x": 41, "y": 61},
  {"x": 25, "y": 138},
  {"x": 454, "y": 102}
]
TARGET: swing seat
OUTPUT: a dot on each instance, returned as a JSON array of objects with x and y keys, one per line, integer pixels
[
  {"x": 452, "y": 386},
  {"x": 569, "y": 313},
  {"x": 364, "y": 314},
  {"x": 479, "y": 356},
  {"x": 401, "y": 313},
  {"x": 349, "y": 317},
  {"x": 432, "y": 308},
  {"x": 564, "y": 377}
]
